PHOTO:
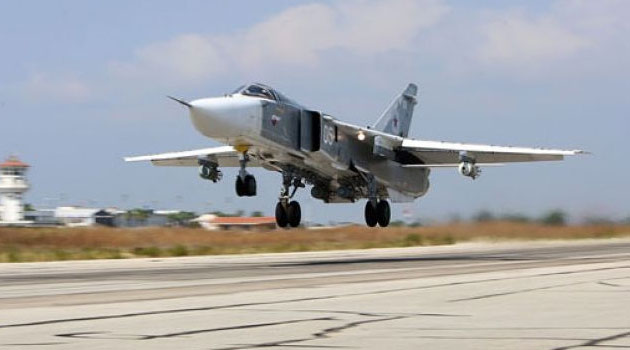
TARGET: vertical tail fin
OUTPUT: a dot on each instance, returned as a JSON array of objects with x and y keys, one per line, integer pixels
[{"x": 397, "y": 117}]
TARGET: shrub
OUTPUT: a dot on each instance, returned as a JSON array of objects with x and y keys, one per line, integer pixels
[
  {"x": 515, "y": 218},
  {"x": 147, "y": 251},
  {"x": 182, "y": 218},
  {"x": 415, "y": 224},
  {"x": 483, "y": 216},
  {"x": 412, "y": 239},
  {"x": 554, "y": 218},
  {"x": 178, "y": 250}
]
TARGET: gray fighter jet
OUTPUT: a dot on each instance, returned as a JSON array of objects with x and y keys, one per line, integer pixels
[{"x": 342, "y": 162}]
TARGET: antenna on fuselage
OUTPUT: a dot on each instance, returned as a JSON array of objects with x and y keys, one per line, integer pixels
[{"x": 180, "y": 101}]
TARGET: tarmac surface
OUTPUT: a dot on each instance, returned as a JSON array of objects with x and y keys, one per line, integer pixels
[{"x": 542, "y": 295}]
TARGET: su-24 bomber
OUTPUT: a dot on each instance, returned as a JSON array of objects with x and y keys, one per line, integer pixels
[{"x": 261, "y": 127}]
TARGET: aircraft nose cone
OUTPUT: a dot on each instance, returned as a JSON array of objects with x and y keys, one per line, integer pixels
[
  {"x": 223, "y": 116},
  {"x": 214, "y": 110}
]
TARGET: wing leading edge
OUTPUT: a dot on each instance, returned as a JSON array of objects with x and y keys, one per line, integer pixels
[
  {"x": 225, "y": 156},
  {"x": 447, "y": 154},
  {"x": 439, "y": 152}
]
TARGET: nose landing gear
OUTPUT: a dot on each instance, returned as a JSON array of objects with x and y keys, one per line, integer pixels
[
  {"x": 245, "y": 182},
  {"x": 246, "y": 187}
]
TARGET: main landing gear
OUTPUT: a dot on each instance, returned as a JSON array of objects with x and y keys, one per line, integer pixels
[
  {"x": 377, "y": 213},
  {"x": 245, "y": 182},
  {"x": 288, "y": 212}
]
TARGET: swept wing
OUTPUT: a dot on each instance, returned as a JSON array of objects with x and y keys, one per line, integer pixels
[
  {"x": 446, "y": 154},
  {"x": 439, "y": 152},
  {"x": 224, "y": 156}
]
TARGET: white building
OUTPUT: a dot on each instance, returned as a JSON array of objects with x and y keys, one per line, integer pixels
[
  {"x": 213, "y": 222},
  {"x": 76, "y": 216},
  {"x": 13, "y": 184}
]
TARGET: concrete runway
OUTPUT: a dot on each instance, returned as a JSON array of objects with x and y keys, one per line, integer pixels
[{"x": 544, "y": 295}]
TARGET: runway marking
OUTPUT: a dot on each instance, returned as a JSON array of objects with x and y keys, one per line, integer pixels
[
  {"x": 188, "y": 291},
  {"x": 598, "y": 342},
  {"x": 87, "y": 335},
  {"x": 325, "y": 333},
  {"x": 328, "y": 297},
  {"x": 518, "y": 291},
  {"x": 34, "y": 344},
  {"x": 356, "y": 304},
  {"x": 604, "y": 283}
]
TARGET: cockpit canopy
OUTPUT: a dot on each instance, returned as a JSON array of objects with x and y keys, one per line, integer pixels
[{"x": 263, "y": 91}]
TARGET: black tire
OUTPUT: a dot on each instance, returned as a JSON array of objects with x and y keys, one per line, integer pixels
[
  {"x": 204, "y": 172},
  {"x": 370, "y": 214},
  {"x": 383, "y": 213},
  {"x": 294, "y": 214},
  {"x": 250, "y": 185},
  {"x": 281, "y": 215},
  {"x": 240, "y": 187}
]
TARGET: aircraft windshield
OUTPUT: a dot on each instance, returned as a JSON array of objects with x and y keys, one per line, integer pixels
[{"x": 259, "y": 91}]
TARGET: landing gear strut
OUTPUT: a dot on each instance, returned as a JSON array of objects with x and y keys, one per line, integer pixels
[
  {"x": 245, "y": 182},
  {"x": 377, "y": 214},
  {"x": 376, "y": 211},
  {"x": 288, "y": 212}
]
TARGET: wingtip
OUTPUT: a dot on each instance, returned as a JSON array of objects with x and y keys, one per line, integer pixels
[{"x": 133, "y": 159}]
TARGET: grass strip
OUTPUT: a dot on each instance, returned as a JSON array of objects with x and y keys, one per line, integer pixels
[{"x": 52, "y": 244}]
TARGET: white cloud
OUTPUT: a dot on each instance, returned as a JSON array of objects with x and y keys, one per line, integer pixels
[
  {"x": 514, "y": 39},
  {"x": 302, "y": 34},
  {"x": 55, "y": 88},
  {"x": 186, "y": 57},
  {"x": 298, "y": 36}
]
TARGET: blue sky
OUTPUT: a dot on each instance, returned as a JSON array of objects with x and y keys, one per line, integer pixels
[{"x": 83, "y": 84}]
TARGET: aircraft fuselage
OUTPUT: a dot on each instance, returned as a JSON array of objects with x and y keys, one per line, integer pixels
[{"x": 279, "y": 133}]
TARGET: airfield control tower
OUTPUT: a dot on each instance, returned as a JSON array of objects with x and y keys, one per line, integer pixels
[{"x": 12, "y": 185}]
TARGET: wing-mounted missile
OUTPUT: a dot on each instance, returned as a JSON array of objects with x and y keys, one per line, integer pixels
[
  {"x": 469, "y": 169},
  {"x": 467, "y": 166},
  {"x": 209, "y": 170}
]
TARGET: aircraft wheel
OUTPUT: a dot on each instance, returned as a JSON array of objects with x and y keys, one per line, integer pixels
[
  {"x": 281, "y": 215},
  {"x": 294, "y": 214},
  {"x": 370, "y": 214},
  {"x": 249, "y": 185},
  {"x": 383, "y": 213},
  {"x": 204, "y": 172},
  {"x": 240, "y": 187}
]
